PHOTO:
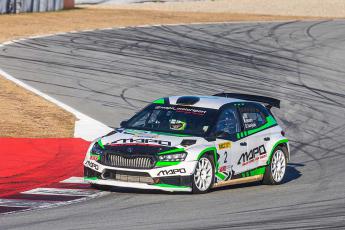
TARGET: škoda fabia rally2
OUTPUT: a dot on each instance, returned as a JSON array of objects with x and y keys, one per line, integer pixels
[{"x": 192, "y": 144}]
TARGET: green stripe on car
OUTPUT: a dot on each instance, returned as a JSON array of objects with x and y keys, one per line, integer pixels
[
  {"x": 270, "y": 121},
  {"x": 172, "y": 151},
  {"x": 100, "y": 143},
  {"x": 275, "y": 146},
  {"x": 220, "y": 175},
  {"x": 167, "y": 163},
  {"x": 159, "y": 101},
  {"x": 209, "y": 149},
  {"x": 170, "y": 186},
  {"x": 90, "y": 178}
]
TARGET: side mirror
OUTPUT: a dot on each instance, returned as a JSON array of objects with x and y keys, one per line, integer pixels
[
  {"x": 210, "y": 138},
  {"x": 123, "y": 123}
]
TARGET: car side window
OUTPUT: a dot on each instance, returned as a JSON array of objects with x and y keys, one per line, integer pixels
[
  {"x": 228, "y": 123},
  {"x": 252, "y": 116}
]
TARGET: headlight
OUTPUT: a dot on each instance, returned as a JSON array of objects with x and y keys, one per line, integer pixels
[
  {"x": 173, "y": 157},
  {"x": 97, "y": 149}
]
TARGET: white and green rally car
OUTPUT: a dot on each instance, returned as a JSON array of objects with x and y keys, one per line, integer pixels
[{"x": 192, "y": 144}]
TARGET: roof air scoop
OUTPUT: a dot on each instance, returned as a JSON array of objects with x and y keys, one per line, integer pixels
[{"x": 187, "y": 100}]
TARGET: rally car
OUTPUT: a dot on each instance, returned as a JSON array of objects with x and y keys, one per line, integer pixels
[{"x": 192, "y": 144}]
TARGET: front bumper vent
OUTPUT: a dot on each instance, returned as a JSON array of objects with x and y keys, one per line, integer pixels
[
  {"x": 136, "y": 177},
  {"x": 132, "y": 178}
]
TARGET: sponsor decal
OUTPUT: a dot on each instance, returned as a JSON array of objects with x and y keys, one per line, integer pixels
[
  {"x": 141, "y": 141},
  {"x": 92, "y": 165},
  {"x": 171, "y": 172},
  {"x": 250, "y": 125},
  {"x": 94, "y": 157},
  {"x": 248, "y": 122},
  {"x": 253, "y": 155},
  {"x": 224, "y": 168},
  {"x": 227, "y": 171},
  {"x": 183, "y": 110},
  {"x": 141, "y": 133},
  {"x": 224, "y": 145},
  {"x": 146, "y": 135}
]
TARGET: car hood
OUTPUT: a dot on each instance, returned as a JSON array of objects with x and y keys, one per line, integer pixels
[{"x": 135, "y": 142}]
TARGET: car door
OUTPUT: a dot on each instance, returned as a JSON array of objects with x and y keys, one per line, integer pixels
[
  {"x": 254, "y": 120},
  {"x": 228, "y": 148}
]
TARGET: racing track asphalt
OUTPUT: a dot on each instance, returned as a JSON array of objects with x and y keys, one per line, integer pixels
[{"x": 110, "y": 74}]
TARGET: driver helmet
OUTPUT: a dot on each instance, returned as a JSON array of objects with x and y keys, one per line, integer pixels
[{"x": 176, "y": 124}]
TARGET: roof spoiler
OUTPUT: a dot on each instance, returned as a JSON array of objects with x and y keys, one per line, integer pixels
[{"x": 271, "y": 102}]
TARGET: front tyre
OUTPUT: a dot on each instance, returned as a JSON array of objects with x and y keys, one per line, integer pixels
[
  {"x": 203, "y": 176},
  {"x": 275, "y": 171}
]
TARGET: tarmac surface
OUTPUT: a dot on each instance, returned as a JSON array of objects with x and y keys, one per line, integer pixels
[{"x": 110, "y": 74}]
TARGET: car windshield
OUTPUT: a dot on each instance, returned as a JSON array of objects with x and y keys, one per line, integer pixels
[{"x": 173, "y": 119}]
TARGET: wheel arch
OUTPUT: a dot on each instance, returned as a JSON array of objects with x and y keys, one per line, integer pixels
[
  {"x": 211, "y": 151},
  {"x": 284, "y": 143},
  {"x": 212, "y": 155}
]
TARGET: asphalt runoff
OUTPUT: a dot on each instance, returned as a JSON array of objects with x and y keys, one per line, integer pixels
[{"x": 111, "y": 74}]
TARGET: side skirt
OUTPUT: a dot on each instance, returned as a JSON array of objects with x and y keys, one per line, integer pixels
[{"x": 239, "y": 181}]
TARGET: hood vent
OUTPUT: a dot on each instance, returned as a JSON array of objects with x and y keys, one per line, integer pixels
[
  {"x": 187, "y": 142},
  {"x": 187, "y": 100}
]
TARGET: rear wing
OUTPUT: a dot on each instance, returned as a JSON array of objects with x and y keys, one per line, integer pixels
[{"x": 268, "y": 101}]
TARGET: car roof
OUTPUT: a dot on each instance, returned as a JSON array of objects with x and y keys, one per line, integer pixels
[{"x": 211, "y": 102}]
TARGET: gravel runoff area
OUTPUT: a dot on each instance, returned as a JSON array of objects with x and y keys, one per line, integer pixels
[
  {"x": 311, "y": 8},
  {"x": 26, "y": 115},
  {"x": 89, "y": 17}
]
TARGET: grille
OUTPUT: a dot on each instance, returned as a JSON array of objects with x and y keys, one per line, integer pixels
[{"x": 138, "y": 162}]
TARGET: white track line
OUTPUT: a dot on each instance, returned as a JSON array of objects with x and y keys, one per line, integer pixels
[
  {"x": 62, "y": 203},
  {"x": 85, "y": 126},
  {"x": 61, "y": 192}
]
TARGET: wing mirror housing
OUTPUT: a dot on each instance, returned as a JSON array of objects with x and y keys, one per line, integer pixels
[
  {"x": 210, "y": 138},
  {"x": 123, "y": 123},
  {"x": 214, "y": 135},
  {"x": 221, "y": 135}
]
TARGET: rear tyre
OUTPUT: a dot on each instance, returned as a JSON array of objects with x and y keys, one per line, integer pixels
[
  {"x": 203, "y": 177},
  {"x": 275, "y": 171}
]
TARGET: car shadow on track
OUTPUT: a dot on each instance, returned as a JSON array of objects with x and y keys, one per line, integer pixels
[
  {"x": 140, "y": 191},
  {"x": 292, "y": 173}
]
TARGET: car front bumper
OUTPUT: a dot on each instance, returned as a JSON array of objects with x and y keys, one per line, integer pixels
[
  {"x": 177, "y": 178},
  {"x": 162, "y": 187}
]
